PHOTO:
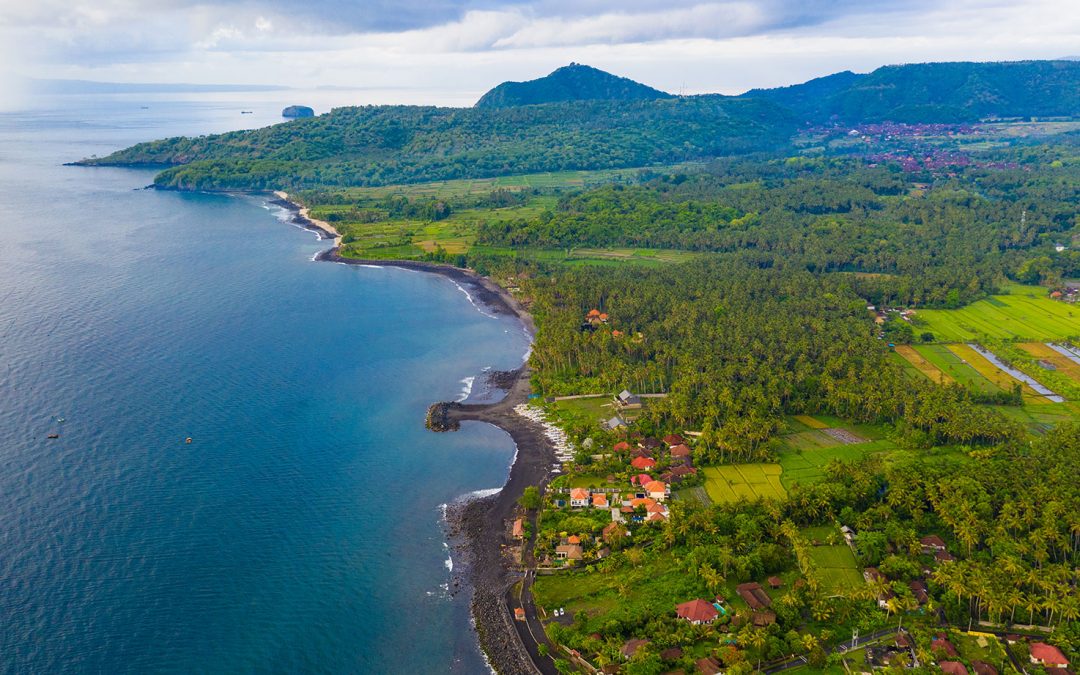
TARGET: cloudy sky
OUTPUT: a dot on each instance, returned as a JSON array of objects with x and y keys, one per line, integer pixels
[{"x": 450, "y": 51}]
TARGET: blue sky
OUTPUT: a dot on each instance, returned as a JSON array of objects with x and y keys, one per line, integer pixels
[{"x": 450, "y": 51}]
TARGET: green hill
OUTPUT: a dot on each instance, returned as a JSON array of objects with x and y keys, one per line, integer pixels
[
  {"x": 574, "y": 82},
  {"x": 937, "y": 92},
  {"x": 379, "y": 145}
]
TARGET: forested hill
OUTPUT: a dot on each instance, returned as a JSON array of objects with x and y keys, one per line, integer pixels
[
  {"x": 575, "y": 82},
  {"x": 936, "y": 92},
  {"x": 377, "y": 145}
]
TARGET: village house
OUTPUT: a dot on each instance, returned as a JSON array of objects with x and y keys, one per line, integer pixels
[
  {"x": 569, "y": 552},
  {"x": 652, "y": 444},
  {"x": 920, "y": 591},
  {"x": 708, "y": 666},
  {"x": 775, "y": 582},
  {"x": 674, "y": 439},
  {"x": 611, "y": 530},
  {"x": 579, "y": 497},
  {"x": 1048, "y": 655},
  {"x": 983, "y": 668},
  {"x": 621, "y": 446},
  {"x": 656, "y": 490},
  {"x": 697, "y": 612},
  {"x": 599, "y": 500},
  {"x": 941, "y": 645},
  {"x": 627, "y": 400},
  {"x": 932, "y": 543},
  {"x": 614, "y": 423},
  {"x": 754, "y": 595},
  {"x": 631, "y": 647},
  {"x": 641, "y": 463},
  {"x": 642, "y": 479},
  {"x": 518, "y": 531},
  {"x": 680, "y": 451},
  {"x": 763, "y": 618},
  {"x": 953, "y": 668}
]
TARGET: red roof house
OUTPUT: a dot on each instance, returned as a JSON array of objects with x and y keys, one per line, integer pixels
[
  {"x": 641, "y": 479},
  {"x": 1047, "y": 655},
  {"x": 754, "y": 595},
  {"x": 697, "y": 612},
  {"x": 942, "y": 645},
  {"x": 983, "y": 668},
  {"x": 643, "y": 463},
  {"x": 931, "y": 543},
  {"x": 674, "y": 439},
  {"x": 680, "y": 450},
  {"x": 622, "y": 446},
  {"x": 953, "y": 668}
]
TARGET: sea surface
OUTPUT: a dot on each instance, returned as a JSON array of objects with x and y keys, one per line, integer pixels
[{"x": 300, "y": 530}]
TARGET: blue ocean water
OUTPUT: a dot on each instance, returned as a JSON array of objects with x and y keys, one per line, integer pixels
[{"x": 300, "y": 530}]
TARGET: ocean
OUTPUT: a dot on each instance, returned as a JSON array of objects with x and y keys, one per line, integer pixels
[{"x": 301, "y": 528}]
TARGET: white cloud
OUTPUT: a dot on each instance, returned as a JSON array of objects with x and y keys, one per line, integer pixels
[{"x": 679, "y": 44}]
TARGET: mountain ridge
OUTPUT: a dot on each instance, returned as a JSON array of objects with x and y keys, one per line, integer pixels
[{"x": 574, "y": 82}]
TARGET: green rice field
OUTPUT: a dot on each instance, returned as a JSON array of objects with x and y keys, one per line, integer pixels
[
  {"x": 1026, "y": 312},
  {"x": 955, "y": 367},
  {"x": 837, "y": 568},
  {"x": 733, "y": 482}
]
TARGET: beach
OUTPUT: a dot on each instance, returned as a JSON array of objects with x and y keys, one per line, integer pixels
[{"x": 476, "y": 525}]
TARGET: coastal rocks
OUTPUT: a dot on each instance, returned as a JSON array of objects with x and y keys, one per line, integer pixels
[
  {"x": 439, "y": 418},
  {"x": 470, "y": 522},
  {"x": 296, "y": 111}
]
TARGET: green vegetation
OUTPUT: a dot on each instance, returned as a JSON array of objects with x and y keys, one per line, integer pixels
[
  {"x": 384, "y": 145},
  {"x": 937, "y": 92},
  {"x": 735, "y": 271},
  {"x": 574, "y": 82},
  {"x": 1025, "y": 313},
  {"x": 750, "y": 482}
]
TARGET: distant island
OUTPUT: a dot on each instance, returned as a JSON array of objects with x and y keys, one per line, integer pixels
[
  {"x": 804, "y": 390},
  {"x": 298, "y": 111}
]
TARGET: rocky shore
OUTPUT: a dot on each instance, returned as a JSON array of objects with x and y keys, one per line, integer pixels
[{"x": 476, "y": 526}]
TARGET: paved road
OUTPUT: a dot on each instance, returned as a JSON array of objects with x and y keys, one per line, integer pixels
[{"x": 843, "y": 647}]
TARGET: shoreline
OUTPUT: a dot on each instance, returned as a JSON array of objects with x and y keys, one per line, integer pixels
[{"x": 476, "y": 525}]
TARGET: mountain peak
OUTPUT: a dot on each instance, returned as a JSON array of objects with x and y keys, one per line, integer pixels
[{"x": 574, "y": 82}]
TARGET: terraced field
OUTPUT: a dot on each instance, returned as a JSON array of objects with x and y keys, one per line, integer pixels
[
  {"x": 1025, "y": 313},
  {"x": 995, "y": 375}
]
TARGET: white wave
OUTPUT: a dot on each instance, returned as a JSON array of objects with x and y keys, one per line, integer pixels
[
  {"x": 480, "y": 494},
  {"x": 471, "y": 301},
  {"x": 466, "y": 389},
  {"x": 449, "y": 562}
]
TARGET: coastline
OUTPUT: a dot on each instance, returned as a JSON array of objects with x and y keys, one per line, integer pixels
[{"x": 476, "y": 526}]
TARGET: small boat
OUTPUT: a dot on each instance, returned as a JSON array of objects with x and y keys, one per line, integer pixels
[
  {"x": 245, "y": 112},
  {"x": 188, "y": 439},
  {"x": 54, "y": 435}
]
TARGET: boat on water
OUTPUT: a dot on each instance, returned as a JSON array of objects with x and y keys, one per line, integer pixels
[{"x": 54, "y": 435}]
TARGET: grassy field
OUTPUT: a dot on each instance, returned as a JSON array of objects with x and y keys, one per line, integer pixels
[
  {"x": 802, "y": 465},
  {"x": 733, "y": 482},
  {"x": 654, "y": 587},
  {"x": 1024, "y": 313},
  {"x": 921, "y": 364},
  {"x": 955, "y": 367},
  {"x": 838, "y": 570},
  {"x": 361, "y": 215}
]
